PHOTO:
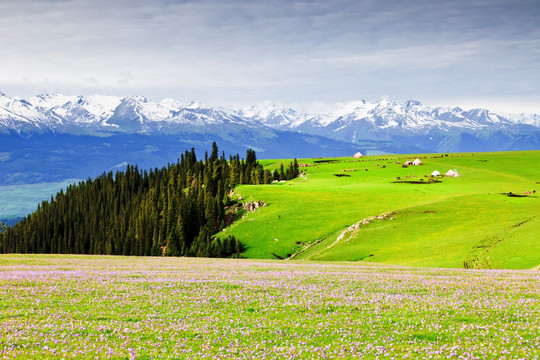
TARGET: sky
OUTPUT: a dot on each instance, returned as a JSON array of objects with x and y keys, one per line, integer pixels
[{"x": 467, "y": 53}]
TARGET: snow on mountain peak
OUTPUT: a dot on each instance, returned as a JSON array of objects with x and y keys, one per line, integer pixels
[
  {"x": 196, "y": 105},
  {"x": 170, "y": 104},
  {"x": 360, "y": 108},
  {"x": 136, "y": 113},
  {"x": 272, "y": 115},
  {"x": 136, "y": 98}
]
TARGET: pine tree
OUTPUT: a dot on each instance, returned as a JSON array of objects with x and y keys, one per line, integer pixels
[{"x": 178, "y": 208}]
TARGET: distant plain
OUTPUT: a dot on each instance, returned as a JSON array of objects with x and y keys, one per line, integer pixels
[{"x": 20, "y": 200}]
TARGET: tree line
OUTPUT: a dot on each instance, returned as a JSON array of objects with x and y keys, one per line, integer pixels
[
  {"x": 173, "y": 211},
  {"x": 3, "y": 227}
]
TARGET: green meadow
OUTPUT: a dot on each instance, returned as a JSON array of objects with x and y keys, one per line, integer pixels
[
  {"x": 115, "y": 307},
  {"x": 489, "y": 217},
  {"x": 376, "y": 286}
]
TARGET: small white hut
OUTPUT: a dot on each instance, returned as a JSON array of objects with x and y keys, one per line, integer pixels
[
  {"x": 417, "y": 162},
  {"x": 452, "y": 173},
  {"x": 358, "y": 155},
  {"x": 407, "y": 163},
  {"x": 435, "y": 173}
]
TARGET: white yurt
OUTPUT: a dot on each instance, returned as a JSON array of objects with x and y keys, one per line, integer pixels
[
  {"x": 417, "y": 162},
  {"x": 435, "y": 173},
  {"x": 358, "y": 155},
  {"x": 452, "y": 173}
]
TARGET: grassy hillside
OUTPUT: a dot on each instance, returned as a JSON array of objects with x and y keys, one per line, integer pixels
[{"x": 465, "y": 221}]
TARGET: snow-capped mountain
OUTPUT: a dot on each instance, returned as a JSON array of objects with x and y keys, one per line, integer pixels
[
  {"x": 56, "y": 137},
  {"x": 529, "y": 119},
  {"x": 410, "y": 126},
  {"x": 273, "y": 115},
  {"x": 410, "y": 116},
  {"x": 426, "y": 128},
  {"x": 350, "y": 121},
  {"x": 88, "y": 115}
]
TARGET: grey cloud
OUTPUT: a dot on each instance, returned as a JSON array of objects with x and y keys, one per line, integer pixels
[{"x": 278, "y": 50}]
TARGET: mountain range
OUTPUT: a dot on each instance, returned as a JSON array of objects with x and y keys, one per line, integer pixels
[{"x": 55, "y": 137}]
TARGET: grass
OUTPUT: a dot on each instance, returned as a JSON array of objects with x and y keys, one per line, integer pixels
[
  {"x": 466, "y": 221},
  {"x": 86, "y": 307}
]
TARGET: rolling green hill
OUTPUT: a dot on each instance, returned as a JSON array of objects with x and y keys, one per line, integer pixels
[{"x": 482, "y": 219}]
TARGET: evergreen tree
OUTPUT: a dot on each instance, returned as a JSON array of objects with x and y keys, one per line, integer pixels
[
  {"x": 3, "y": 227},
  {"x": 175, "y": 210}
]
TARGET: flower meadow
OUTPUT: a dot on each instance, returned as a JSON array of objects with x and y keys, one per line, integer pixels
[{"x": 87, "y": 307}]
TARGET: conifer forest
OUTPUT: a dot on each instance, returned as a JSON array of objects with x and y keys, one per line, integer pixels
[{"x": 173, "y": 211}]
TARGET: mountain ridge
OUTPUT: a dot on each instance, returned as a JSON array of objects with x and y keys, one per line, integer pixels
[
  {"x": 112, "y": 113},
  {"x": 53, "y": 137}
]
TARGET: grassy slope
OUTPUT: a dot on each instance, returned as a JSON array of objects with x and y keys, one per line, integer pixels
[{"x": 460, "y": 220}]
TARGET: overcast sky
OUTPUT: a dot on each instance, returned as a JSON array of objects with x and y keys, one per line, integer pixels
[{"x": 461, "y": 52}]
